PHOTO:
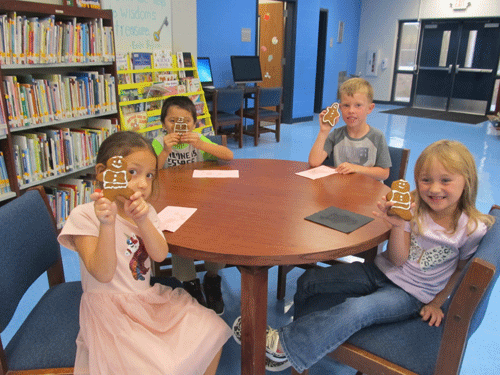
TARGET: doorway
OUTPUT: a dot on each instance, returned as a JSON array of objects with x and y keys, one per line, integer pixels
[
  {"x": 320, "y": 65},
  {"x": 457, "y": 65}
]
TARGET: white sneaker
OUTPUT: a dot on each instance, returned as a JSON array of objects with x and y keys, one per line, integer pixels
[
  {"x": 274, "y": 366},
  {"x": 272, "y": 341},
  {"x": 237, "y": 330}
]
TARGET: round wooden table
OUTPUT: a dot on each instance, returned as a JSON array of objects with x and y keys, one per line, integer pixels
[{"x": 257, "y": 221}]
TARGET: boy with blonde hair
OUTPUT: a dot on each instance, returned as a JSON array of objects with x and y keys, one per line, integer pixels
[{"x": 355, "y": 147}]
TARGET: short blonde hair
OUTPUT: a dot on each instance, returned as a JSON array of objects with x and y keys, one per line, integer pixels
[
  {"x": 457, "y": 159},
  {"x": 353, "y": 86}
]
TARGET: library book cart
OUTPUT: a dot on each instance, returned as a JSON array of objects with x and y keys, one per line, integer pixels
[
  {"x": 58, "y": 92},
  {"x": 140, "y": 111}
]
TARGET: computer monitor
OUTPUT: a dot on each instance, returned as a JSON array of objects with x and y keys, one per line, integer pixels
[
  {"x": 205, "y": 71},
  {"x": 246, "y": 69}
]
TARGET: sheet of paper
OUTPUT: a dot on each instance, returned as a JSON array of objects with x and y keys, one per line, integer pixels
[
  {"x": 215, "y": 173},
  {"x": 318, "y": 172},
  {"x": 172, "y": 217}
]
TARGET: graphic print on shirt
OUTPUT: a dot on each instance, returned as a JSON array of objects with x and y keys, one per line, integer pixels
[
  {"x": 136, "y": 248},
  {"x": 179, "y": 157},
  {"x": 430, "y": 258}
]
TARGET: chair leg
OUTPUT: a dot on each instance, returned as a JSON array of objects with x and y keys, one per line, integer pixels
[
  {"x": 281, "y": 288},
  {"x": 278, "y": 124}
]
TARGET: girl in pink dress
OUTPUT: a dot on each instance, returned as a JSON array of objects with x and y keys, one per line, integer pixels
[{"x": 127, "y": 326}]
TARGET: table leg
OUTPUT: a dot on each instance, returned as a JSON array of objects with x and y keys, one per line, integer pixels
[{"x": 253, "y": 320}]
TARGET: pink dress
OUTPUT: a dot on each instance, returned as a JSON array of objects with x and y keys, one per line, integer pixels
[{"x": 129, "y": 327}]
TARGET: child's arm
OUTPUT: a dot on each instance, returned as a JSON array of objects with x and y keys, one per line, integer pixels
[
  {"x": 156, "y": 245},
  {"x": 317, "y": 155},
  {"x": 398, "y": 246},
  {"x": 219, "y": 151},
  {"x": 98, "y": 253},
  {"x": 162, "y": 158},
  {"x": 375, "y": 172},
  {"x": 432, "y": 311}
]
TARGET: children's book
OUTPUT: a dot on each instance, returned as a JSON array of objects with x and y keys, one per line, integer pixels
[{"x": 142, "y": 60}]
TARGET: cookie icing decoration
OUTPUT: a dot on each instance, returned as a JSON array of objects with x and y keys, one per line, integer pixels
[
  {"x": 115, "y": 179},
  {"x": 332, "y": 114}
]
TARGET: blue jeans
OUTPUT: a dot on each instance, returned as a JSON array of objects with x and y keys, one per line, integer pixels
[{"x": 362, "y": 296}]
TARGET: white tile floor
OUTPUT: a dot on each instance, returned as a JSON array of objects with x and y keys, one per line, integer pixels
[{"x": 481, "y": 356}]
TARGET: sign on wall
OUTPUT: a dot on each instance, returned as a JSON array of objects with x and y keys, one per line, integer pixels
[{"x": 141, "y": 25}]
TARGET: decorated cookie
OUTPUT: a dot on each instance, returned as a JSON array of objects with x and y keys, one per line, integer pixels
[
  {"x": 115, "y": 179},
  {"x": 180, "y": 126},
  {"x": 332, "y": 114},
  {"x": 400, "y": 195}
]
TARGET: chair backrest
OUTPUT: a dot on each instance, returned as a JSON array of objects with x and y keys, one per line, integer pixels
[
  {"x": 229, "y": 100},
  {"x": 270, "y": 96},
  {"x": 29, "y": 248},
  {"x": 488, "y": 250},
  {"x": 399, "y": 159}
]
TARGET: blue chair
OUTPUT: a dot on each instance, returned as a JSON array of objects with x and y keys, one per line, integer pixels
[
  {"x": 399, "y": 159},
  {"x": 411, "y": 347},
  {"x": 228, "y": 111},
  {"x": 46, "y": 339},
  {"x": 265, "y": 97}
]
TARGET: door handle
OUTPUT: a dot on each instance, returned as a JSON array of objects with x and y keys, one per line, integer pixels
[
  {"x": 457, "y": 68},
  {"x": 450, "y": 67}
]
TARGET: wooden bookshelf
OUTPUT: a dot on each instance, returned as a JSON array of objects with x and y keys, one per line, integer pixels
[{"x": 90, "y": 57}]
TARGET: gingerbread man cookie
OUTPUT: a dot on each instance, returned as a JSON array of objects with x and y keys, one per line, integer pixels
[
  {"x": 115, "y": 179},
  {"x": 400, "y": 195},
  {"x": 180, "y": 126},
  {"x": 332, "y": 114}
]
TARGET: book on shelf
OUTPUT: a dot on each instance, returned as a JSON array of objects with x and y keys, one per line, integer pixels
[
  {"x": 142, "y": 60},
  {"x": 135, "y": 121},
  {"x": 162, "y": 58},
  {"x": 94, "y": 4},
  {"x": 123, "y": 63},
  {"x": 4, "y": 176},
  {"x": 187, "y": 63}
]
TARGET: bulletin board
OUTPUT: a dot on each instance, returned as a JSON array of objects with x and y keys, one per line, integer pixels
[{"x": 141, "y": 25}]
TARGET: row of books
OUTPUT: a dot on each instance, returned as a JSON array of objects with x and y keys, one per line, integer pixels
[
  {"x": 68, "y": 194},
  {"x": 44, "y": 40},
  {"x": 56, "y": 151},
  {"x": 41, "y": 98},
  {"x": 4, "y": 176}
]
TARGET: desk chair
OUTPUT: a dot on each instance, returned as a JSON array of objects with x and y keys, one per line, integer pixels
[
  {"x": 162, "y": 270},
  {"x": 399, "y": 159},
  {"x": 265, "y": 97},
  {"x": 227, "y": 109},
  {"x": 411, "y": 347},
  {"x": 46, "y": 339}
]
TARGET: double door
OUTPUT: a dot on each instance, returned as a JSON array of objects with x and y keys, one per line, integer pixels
[{"x": 458, "y": 63}]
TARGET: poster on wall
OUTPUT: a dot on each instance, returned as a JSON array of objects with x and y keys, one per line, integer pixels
[{"x": 141, "y": 25}]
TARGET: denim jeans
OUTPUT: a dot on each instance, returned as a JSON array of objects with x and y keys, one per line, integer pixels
[{"x": 363, "y": 296}]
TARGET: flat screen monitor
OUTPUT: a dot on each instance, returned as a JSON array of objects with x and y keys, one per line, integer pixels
[
  {"x": 246, "y": 69},
  {"x": 205, "y": 71}
]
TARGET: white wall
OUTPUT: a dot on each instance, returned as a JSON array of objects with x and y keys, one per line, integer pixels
[
  {"x": 184, "y": 30},
  {"x": 379, "y": 28}
]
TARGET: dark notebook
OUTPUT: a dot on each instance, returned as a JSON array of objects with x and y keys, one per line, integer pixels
[{"x": 338, "y": 219}]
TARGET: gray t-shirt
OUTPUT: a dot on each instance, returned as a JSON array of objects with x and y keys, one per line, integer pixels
[{"x": 368, "y": 151}]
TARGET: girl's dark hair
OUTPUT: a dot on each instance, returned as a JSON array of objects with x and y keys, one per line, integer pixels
[
  {"x": 179, "y": 101},
  {"x": 123, "y": 144}
]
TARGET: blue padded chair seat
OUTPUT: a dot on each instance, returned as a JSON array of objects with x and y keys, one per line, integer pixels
[
  {"x": 412, "y": 344},
  {"x": 226, "y": 117},
  {"x": 47, "y": 337}
]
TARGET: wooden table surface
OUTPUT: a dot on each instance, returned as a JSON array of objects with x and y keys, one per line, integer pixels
[{"x": 257, "y": 221}]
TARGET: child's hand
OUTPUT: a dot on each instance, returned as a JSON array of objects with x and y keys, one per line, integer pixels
[
  {"x": 346, "y": 168},
  {"x": 191, "y": 138},
  {"x": 433, "y": 314},
  {"x": 325, "y": 126},
  {"x": 136, "y": 207},
  {"x": 104, "y": 209},
  {"x": 384, "y": 206},
  {"x": 170, "y": 140}
]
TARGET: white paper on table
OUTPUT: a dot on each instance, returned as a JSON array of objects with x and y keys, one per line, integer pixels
[
  {"x": 172, "y": 217},
  {"x": 318, "y": 172},
  {"x": 215, "y": 173}
]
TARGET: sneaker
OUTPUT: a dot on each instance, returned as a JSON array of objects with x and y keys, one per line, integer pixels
[
  {"x": 213, "y": 293},
  {"x": 193, "y": 287},
  {"x": 237, "y": 330},
  {"x": 274, "y": 366},
  {"x": 272, "y": 341}
]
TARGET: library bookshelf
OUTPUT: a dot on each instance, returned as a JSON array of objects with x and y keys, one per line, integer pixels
[{"x": 59, "y": 93}]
